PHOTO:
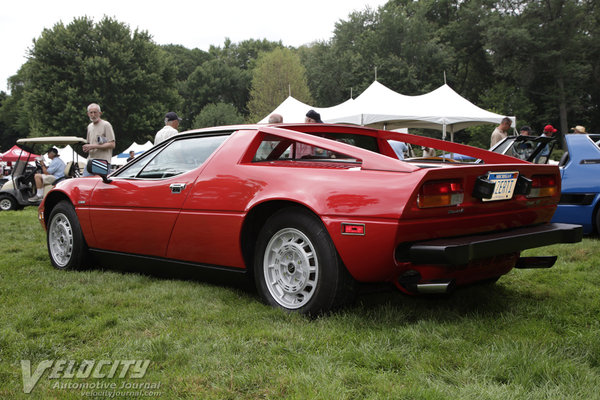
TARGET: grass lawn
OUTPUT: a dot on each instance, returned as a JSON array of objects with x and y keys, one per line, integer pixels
[{"x": 533, "y": 335}]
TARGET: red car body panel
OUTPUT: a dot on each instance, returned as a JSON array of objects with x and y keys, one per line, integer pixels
[{"x": 204, "y": 223}]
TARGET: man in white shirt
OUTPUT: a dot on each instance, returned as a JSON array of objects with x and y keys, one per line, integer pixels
[{"x": 170, "y": 128}]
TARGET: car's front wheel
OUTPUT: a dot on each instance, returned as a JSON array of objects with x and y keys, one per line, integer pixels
[
  {"x": 66, "y": 245},
  {"x": 297, "y": 267}
]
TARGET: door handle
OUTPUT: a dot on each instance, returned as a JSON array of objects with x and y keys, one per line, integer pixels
[{"x": 177, "y": 187}]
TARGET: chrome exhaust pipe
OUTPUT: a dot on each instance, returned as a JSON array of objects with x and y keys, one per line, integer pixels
[{"x": 434, "y": 288}]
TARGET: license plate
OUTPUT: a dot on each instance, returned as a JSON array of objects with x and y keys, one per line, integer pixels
[{"x": 505, "y": 183}]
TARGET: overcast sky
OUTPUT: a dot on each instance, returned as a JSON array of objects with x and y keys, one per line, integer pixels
[{"x": 193, "y": 24}]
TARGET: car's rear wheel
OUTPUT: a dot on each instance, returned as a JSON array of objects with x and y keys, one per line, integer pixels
[
  {"x": 66, "y": 245},
  {"x": 7, "y": 202},
  {"x": 297, "y": 267}
]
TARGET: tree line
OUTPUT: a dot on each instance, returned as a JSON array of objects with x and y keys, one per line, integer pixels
[{"x": 537, "y": 60}]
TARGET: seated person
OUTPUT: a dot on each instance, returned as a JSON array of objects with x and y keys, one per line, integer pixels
[{"x": 49, "y": 174}]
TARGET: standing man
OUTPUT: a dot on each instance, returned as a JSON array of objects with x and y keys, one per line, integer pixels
[
  {"x": 131, "y": 155},
  {"x": 100, "y": 136},
  {"x": 549, "y": 130},
  {"x": 170, "y": 128},
  {"x": 54, "y": 171},
  {"x": 501, "y": 131}
]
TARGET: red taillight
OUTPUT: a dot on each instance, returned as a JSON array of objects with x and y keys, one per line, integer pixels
[
  {"x": 543, "y": 186},
  {"x": 440, "y": 194}
]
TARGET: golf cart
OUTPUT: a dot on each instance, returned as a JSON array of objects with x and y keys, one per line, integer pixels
[{"x": 20, "y": 186}]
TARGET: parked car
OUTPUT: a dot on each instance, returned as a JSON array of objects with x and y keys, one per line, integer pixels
[
  {"x": 535, "y": 149},
  {"x": 580, "y": 194},
  {"x": 20, "y": 185},
  {"x": 308, "y": 210}
]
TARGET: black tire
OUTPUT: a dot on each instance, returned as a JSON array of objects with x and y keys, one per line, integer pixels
[
  {"x": 66, "y": 244},
  {"x": 7, "y": 203},
  {"x": 312, "y": 280},
  {"x": 598, "y": 220}
]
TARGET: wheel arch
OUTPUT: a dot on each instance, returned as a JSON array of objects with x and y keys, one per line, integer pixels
[
  {"x": 51, "y": 200},
  {"x": 596, "y": 216},
  {"x": 255, "y": 220}
]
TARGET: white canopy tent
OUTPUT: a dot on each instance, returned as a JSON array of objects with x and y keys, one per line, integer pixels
[
  {"x": 443, "y": 108},
  {"x": 121, "y": 158},
  {"x": 67, "y": 154},
  {"x": 294, "y": 111}
]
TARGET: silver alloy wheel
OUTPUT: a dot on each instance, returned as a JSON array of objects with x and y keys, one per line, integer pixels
[
  {"x": 291, "y": 268},
  {"x": 5, "y": 204},
  {"x": 60, "y": 239}
]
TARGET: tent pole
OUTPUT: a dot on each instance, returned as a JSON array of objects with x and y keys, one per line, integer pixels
[
  {"x": 444, "y": 131},
  {"x": 452, "y": 133}
]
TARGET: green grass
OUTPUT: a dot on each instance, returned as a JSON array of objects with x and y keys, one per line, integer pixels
[{"x": 533, "y": 335}]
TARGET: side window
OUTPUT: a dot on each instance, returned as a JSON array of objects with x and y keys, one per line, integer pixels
[
  {"x": 178, "y": 157},
  {"x": 273, "y": 148}
]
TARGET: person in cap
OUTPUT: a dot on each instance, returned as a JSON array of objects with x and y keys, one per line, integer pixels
[
  {"x": 549, "y": 130},
  {"x": 100, "y": 136},
  {"x": 500, "y": 132},
  {"x": 579, "y": 129},
  {"x": 525, "y": 131},
  {"x": 54, "y": 171},
  {"x": 170, "y": 128},
  {"x": 313, "y": 117}
]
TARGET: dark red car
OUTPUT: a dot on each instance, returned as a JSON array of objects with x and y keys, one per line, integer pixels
[{"x": 309, "y": 210}]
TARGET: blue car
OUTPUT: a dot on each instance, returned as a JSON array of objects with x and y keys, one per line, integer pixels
[{"x": 580, "y": 193}]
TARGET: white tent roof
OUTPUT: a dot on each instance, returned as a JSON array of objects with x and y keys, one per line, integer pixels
[
  {"x": 66, "y": 154},
  {"x": 294, "y": 111},
  {"x": 379, "y": 106},
  {"x": 121, "y": 158}
]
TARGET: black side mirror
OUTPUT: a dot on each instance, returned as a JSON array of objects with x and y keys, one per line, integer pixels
[{"x": 99, "y": 167}]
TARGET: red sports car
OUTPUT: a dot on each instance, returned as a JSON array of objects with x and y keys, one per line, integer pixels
[{"x": 309, "y": 210}]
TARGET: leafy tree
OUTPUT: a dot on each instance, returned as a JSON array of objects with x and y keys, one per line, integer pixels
[
  {"x": 14, "y": 122},
  {"x": 216, "y": 115},
  {"x": 243, "y": 55},
  {"x": 277, "y": 73},
  {"x": 214, "y": 82},
  {"x": 80, "y": 63},
  {"x": 185, "y": 60},
  {"x": 542, "y": 55}
]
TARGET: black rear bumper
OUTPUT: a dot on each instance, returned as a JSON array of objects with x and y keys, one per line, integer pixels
[{"x": 462, "y": 250}]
